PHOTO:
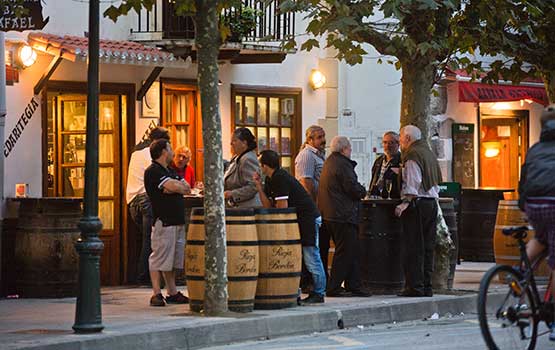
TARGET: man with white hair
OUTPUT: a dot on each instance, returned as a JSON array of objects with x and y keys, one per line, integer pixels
[
  {"x": 339, "y": 198},
  {"x": 418, "y": 211}
]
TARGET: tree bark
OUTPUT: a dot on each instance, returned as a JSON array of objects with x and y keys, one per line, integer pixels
[
  {"x": 208, "y": 45},
  {"x": 549, "y": 83},
  {"x": 417, "y": 85}
]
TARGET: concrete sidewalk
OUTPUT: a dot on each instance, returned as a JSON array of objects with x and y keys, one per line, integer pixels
[{"x": 131, "y": 324}]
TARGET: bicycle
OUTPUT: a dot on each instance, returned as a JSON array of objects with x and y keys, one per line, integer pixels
[{"x": 510, "y": 311}]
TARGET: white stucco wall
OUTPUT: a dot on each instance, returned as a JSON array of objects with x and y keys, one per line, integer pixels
[{"x": 372, "y": 91}]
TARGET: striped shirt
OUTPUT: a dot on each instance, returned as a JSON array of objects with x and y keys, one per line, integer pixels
[{"x": 309, "y": 164}]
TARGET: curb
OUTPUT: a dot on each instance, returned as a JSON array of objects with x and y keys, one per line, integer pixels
[{"x": 296, "y": 321}]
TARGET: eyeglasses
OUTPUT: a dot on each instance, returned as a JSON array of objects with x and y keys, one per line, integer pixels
[{"x": 389, "y": 142}]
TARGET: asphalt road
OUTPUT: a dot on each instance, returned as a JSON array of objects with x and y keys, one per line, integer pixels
[{"x": 459, "y": 332}]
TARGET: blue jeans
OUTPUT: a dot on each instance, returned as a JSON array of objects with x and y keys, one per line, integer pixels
[
  {"x": 313, "y": 263},
  {"x": 141, "y": 214}
]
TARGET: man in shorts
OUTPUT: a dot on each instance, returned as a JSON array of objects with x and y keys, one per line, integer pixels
[
  {"x": 537, "y": 193},
  {"x": 165, "y": 190}
]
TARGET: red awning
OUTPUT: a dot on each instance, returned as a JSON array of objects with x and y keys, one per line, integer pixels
[{"x": 477, "y": 92}]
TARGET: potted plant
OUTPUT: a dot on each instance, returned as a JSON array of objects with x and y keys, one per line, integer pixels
[{"x": 241, "y": 23}]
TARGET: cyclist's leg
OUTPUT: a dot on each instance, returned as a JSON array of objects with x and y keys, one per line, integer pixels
[{"x": 534, "y": 248}]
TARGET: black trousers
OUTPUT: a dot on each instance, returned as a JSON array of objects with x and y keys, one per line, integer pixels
[
  {"x": 345, "y": 267},
  {"x": 324, "y": 245},
  {"x": 418, "y": 243}
]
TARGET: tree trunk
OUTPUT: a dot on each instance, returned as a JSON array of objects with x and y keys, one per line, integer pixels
[
  {"x": 549, "y": 82},
  {"x": 415, "y": 101},
  {"x": 208, "y": 45}
]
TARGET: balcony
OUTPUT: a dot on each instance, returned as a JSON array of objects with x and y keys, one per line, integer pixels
[{"x": 161, "y": 27}]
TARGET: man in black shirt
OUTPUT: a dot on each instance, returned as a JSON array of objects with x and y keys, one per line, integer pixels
[
  {"x": 165, "y": 190},
  {"x": 281, "y": 190}
]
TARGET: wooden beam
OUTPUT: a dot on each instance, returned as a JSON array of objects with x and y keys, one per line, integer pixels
[
  {"x": 46, "y": 76},
  {"x": 148, "y": 82}
]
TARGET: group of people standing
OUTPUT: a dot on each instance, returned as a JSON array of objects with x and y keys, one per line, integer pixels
[{"x": 325, "y": 192}]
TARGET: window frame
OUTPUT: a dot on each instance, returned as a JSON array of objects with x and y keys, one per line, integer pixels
[{"x": 271, "y": 92}]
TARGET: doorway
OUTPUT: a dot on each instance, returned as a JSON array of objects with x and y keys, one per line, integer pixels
[
  {"x": 503, "y": 145},
  {"x": 65, "y": 139}
]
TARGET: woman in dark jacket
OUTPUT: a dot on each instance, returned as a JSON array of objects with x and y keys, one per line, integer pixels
[{"x": 239, "y": 186}]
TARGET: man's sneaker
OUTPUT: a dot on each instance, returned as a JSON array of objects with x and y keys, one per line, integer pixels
[
  {"x": 157, "y": 300},
  {"x": 313, "y": 299},
  {"x": 177, "y": 298}
]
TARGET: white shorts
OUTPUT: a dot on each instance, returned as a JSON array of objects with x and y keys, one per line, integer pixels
[{"x": 168, "y": 247}]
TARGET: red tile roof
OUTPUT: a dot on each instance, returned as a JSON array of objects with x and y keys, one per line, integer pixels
[{"x": 111, "y": 51}]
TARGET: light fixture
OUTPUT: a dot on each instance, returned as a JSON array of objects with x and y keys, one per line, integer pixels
[
  {"x": 492, "y": 151},
  {"x": 317, "y": 79},
  {"x": 26, "y": 56}
]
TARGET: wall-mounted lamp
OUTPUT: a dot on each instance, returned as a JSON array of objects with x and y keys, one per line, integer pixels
[
  {"x": 491, "y": 148},
  {"x": 317, "y": 79},
  {"x": 25, "y": 56}
]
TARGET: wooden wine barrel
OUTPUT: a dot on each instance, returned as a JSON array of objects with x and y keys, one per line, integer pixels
[
  {"x": 380, "y": 234},
  {"x": 280, "y": 258},
  {"x": 46, "y": 263},
  {"x": 505, "y": 248},
  {"x": 450, "y": 216},
  {"x": 242, "y": 259}
]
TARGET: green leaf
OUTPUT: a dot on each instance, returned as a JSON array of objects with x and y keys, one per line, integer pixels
[{"x": 310, "y": 44}]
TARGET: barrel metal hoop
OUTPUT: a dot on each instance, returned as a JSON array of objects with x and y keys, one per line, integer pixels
[
  {"x": 194, "y": 278},
  {"x": 242, "y": 278},
  {"x": 279, "y": 242},
  {"x": 275, "y": 297},
  {"x": 260, "y": 211},
  {"x": 195, "y": 242},
  {"x": 228, "y": 243},
  {"x": 290, "y": 221},
  {"x": 241, "y": 243},
  {"x": 279, "y": 274},
  {"x": 240, "y": 302}
]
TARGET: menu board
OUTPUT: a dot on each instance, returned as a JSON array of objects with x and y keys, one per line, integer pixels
[{"x": 463, "y": 154}]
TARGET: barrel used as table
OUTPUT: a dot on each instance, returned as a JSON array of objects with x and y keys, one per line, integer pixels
[
  {"x": 45, "y": 260},
  {"x": 280, "y": 258},
  {"x": 242, "y": 259},
  {"x": 505, "y": 248},
  {"x": 478, "y": 212},
  {"x": 380, "y": 246}
]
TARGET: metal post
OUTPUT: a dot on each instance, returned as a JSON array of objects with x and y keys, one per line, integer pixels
[
  {"x": 3, "y": 112},
  {"x": 88, "y": 313}
]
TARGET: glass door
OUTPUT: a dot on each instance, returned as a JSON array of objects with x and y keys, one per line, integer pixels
[{"x": 66, "y": 165}]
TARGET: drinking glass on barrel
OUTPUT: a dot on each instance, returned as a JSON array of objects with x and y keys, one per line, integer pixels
[{"x": 388, "y": 187}]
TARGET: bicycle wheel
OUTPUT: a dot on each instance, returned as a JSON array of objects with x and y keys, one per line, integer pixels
[{"x": 506, "y": 312}]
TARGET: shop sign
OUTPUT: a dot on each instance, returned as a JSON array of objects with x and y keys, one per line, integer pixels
[
  {"x": 17, "y": 131},
  {"x": 20, "y": 15},
  {"x": 477, "y": 92},
  {"x": 463, "y": 154}
]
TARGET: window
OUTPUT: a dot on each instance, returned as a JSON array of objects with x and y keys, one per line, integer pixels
[{"x": 273, "y": 116}]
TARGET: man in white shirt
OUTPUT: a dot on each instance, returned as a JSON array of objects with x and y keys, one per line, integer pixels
[
  {"x": 421, "y": 176},
  {"x": 139, "y": 204}
]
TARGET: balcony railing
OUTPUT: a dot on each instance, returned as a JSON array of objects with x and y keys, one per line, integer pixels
[{"x": 162, "y": 23}]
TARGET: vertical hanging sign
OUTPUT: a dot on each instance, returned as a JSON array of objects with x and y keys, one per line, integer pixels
[
  {"x": 20, "y": 15},
  {"x": 463, "y": 154}
]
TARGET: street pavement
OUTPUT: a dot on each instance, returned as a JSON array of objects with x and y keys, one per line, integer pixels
[
  {"x": 451, "y": 332},
  {"x": 131, "y": 324}
]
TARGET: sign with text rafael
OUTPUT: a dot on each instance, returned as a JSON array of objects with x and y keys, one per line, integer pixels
[
  {"x": 477, "y": 92},
  {"x": 20, "y": 15}
]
